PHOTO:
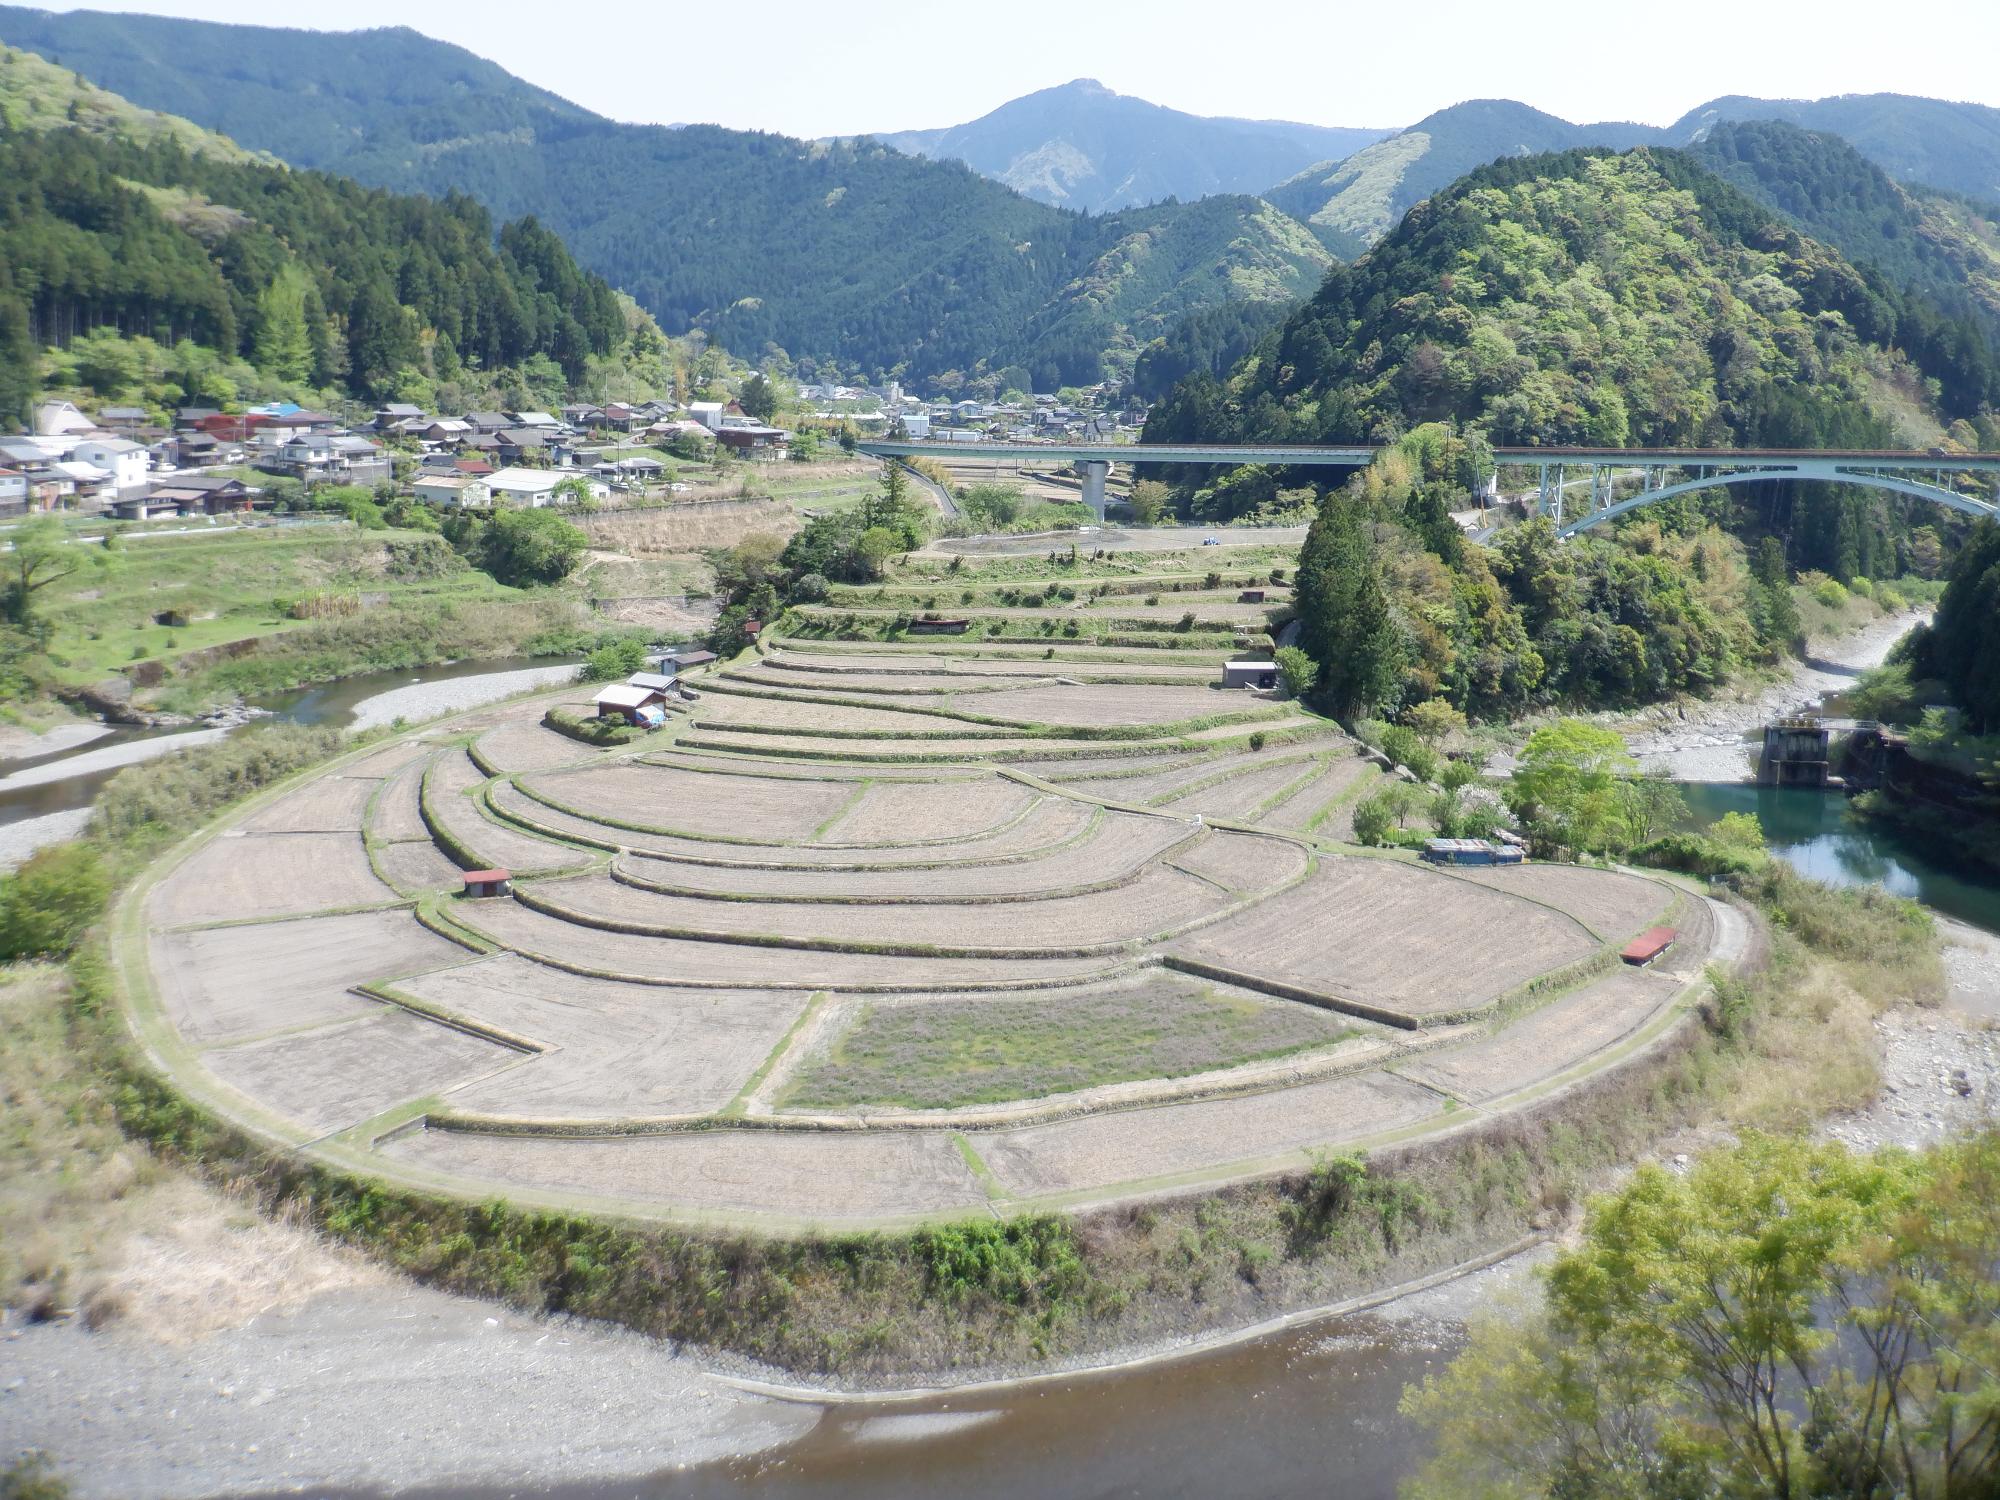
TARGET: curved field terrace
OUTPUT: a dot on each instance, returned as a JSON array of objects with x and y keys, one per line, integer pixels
[{"x": 872, "y": 933}]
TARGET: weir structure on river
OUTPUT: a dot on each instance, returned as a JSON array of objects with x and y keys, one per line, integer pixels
[{"x": 1612, "y": 481}]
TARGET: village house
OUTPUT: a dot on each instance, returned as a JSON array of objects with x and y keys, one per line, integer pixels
[
  {"x": 124, "y": 419},
  {"x": 13, "y": 492},
  {"x": 517, "y": 443},
  {"x": 533, "y": 419},
  {"x": 149, "y": 506},
  {"x": 61, "y": 419},
  {"x": 708, "y": 413},
  {"x": 753, "y": 440},
  {"x": 446, "y": 430},
  {"x": 524, "y": 488},
  {"x": 207, "y": 494},
  {"x": 125, "y": 461},
  {"x": 452, "y": 491},
  {"x": 487, "y": 422},
  {"x": 398, "y": 412}
]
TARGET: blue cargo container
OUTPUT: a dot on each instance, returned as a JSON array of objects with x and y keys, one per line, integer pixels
[{"x": 1469, "y": 852}]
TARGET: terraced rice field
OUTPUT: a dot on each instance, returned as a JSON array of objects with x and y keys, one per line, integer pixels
[{"x": 799, "y": 961}]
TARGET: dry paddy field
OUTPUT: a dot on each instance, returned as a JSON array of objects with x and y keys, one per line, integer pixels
[{"x": 809, "y": 956}]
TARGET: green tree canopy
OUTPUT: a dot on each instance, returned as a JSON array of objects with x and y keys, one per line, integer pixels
[
  {"x": 1788, "y": 1320},
  {"x": 530, "y": 546}
]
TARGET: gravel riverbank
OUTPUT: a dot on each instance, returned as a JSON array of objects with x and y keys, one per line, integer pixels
[
  {"x": 1704, "y": 741},
  {"x": 378, "y": 1384},
  {"x": 431, "y": 700},
  {"x": 19, "y": 840},
  {"x": 110, "y": 758}
]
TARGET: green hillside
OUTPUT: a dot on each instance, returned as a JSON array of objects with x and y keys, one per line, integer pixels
[
  {"x": 849, "y": 257},
  {"x": 37, "y": 95},
  {"x": 1922, "y": 239},
  {"x": 120, "y": 226},
  {"x": 1937, "y": 142},
  {"x": 1351, "y": 203},
  {"x": 1593, "y": 298}
]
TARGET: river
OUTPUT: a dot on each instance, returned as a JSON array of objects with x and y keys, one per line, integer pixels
[
  {"x": 43, "y": 798},
  {"x": 1309, "y": 1412},
  {"x": 1816, "y": 833}
]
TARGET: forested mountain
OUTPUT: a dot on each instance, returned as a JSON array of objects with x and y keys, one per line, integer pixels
[
  {"x": 1593, "y": 298},
  {"x": 1936, "y": 142},
  {"x": 1942, "y": 245},
  {"x": 1082, "y": 145},
  {"x": 1211, "y": 342},
  {"x": 179, "y": 238},
  {"x": 1351, "y": 204},
  {"x": 1354, "y": 202},
  {"x": 852, "y": 258}
]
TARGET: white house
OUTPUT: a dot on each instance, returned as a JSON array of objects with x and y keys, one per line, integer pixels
[
  {"x": 534, "y": 419},
  {"x": 708, "y": 413},
  {"x": 452, "y": 491},
  {"x": 125, "y": 461},
  {"x": 529, "y": 488},
  {"x": 917, "y": 423},
  {"x": 13, "y": 489}
]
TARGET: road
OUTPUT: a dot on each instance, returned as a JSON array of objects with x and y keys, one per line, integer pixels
[{"x": 1116, "y": 539}]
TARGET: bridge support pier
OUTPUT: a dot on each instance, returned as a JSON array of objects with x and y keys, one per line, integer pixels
[{"x": 1094, "y": 471}]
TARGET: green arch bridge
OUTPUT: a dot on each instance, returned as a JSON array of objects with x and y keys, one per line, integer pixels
[{"x": 1612, "y": 481}]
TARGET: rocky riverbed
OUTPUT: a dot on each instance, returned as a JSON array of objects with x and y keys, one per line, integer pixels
[{"x": 1704, "y": 740}]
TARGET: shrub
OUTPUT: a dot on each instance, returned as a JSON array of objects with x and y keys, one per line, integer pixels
[
  {"x": 50, "y": 901},
  {"x": 1824, "y": 590},
  {"x": 530, "y": 546},
  {"x": 1033, "y": 1261},
  {"x": 1299, "y": 671},
  {"x": 591, "y": 730},
  {"x": 1696, "y": 854},
  {"x": 614, "y": 661},
  {"x": 1373, "y": 820},
  {"x": 1403, "y": 746},
  {"x": 176, "y": 794},
  {"x": 810, "y": 588}
]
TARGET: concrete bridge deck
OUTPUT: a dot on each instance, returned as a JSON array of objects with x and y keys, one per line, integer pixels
[{"x": 1929, "y": 475}]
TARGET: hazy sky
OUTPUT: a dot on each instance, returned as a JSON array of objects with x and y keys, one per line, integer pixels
[{"x": 840, "y": 67}]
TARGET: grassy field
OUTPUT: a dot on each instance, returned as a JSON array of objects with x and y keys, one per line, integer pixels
[{"x": 937, "y": 1054}]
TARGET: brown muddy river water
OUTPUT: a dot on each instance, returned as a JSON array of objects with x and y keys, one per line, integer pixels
[{"x": 1308, "y": 1412}]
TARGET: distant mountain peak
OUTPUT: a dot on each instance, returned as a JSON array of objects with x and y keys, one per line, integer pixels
[{"x": 1083, "y": 145}]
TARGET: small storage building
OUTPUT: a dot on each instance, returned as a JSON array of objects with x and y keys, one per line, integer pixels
[
  {"x": 1648, "y": 946},
  {"x": 488, "y": 883},
  {"x": 635, "y": 705},
  {"x": 1250, "y": 674},
  {"x": 662, "y": 683}
]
